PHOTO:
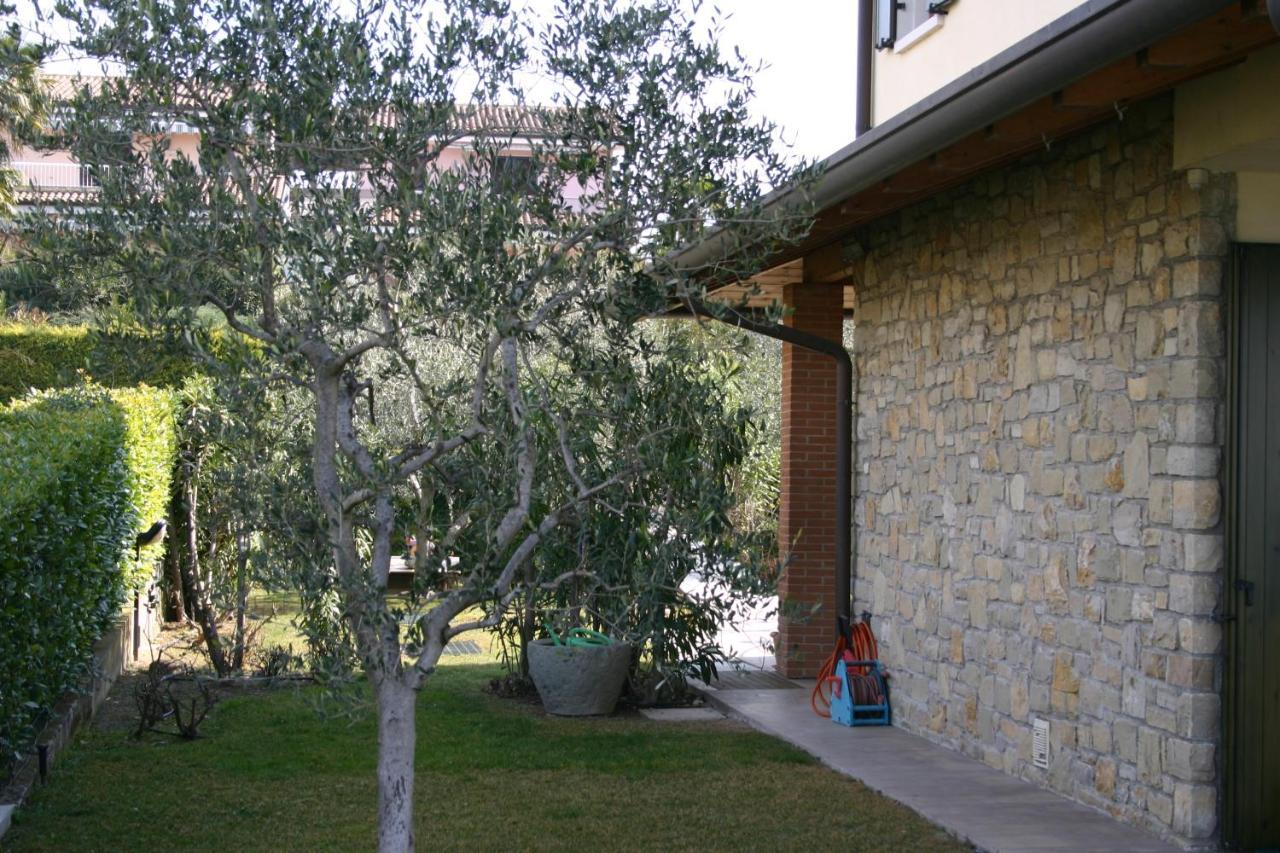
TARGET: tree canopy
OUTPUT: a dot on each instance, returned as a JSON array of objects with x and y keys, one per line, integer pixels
[{"x": 471, "y": 327}]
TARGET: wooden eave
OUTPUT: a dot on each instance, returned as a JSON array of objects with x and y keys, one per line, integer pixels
[{"x": 1210, "y": 45}]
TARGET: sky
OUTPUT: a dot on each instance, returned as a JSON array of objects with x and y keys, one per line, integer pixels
[
  {"x": 808, "y": 87},
  {"x": 808, "y": 45}
]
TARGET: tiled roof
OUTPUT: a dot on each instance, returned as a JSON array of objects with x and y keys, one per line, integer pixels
[
  {"x": 53, "y": 195},
  {"x": 501, "y": 118},
  {"x": 495, "y": 119},
  {"x": 63, "y": 87}
]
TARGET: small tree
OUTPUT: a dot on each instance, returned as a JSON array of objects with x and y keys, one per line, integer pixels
[
  {"x": 323, "y": 219},
  {"x": 22, "y": 103}
]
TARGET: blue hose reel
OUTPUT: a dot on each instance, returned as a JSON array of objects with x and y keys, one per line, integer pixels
[{"x": 860, "y": 696}]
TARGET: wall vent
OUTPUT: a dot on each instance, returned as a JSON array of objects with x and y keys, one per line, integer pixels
[{"x": 1040, "y": 744}]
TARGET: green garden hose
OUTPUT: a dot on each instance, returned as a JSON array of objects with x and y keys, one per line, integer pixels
[{"x": 579, "y": 637}]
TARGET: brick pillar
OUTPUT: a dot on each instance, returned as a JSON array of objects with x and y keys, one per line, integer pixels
[{"x": 807, "y": 515}]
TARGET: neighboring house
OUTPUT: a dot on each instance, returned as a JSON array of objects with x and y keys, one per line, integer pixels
[
  {"x": 55, "y": 176},
  {"x": 1058, "y": 234}
]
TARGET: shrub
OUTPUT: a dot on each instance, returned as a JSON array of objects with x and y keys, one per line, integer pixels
[
  {"x": 41, "y": 356},
  {"x": 82, "y": 472}
]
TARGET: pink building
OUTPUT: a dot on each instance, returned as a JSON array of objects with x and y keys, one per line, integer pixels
[{"x": 55, "y": 176}]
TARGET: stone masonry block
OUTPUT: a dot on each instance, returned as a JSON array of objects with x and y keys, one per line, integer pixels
[
  {"x": 1195, "y": 810},
  {"x": 1201, "y": 636},
  {"x": 1199, "y": 715},
  {"x": 1191, "y": 761},
  {"x": 1200, "y": 329},
  {"x": 1203, "y": 552},
  {"x": 1193, "y": 594},
  {"x": 1195, "y": 504},
  {"x": 1195, "y": 377},
  {"x": 1194, "y": 671},
  {"x": 1193, "y": 461}
]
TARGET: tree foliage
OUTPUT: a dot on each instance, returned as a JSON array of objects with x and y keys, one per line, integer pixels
[
  {"x": 456, "y": 326},
  {"x": 22, "y": 101}
]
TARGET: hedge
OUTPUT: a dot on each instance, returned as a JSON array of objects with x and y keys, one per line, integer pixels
[
  {"x": 82, "y": 472},
  {"x": 42, "y": 356}
]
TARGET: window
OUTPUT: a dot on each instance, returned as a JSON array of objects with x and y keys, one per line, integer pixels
[
  {"x": 512, "y": 173},
  {"x": 898, "y": 20}
]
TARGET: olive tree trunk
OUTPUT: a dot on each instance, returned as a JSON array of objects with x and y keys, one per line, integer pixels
[
  {"x": 396, "y": 742},
  {"x": 198, "y": 595}
]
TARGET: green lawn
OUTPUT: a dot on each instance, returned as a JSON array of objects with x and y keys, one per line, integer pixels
[{"x": 492, "y": 774}]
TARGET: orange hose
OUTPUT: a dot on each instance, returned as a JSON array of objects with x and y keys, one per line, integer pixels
[{"x": 865, "y": 647}]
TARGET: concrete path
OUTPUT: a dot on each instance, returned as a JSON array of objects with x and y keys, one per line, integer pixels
[
  {"x": 748, "y": 640},
  {"x": 989, "y": 809}
]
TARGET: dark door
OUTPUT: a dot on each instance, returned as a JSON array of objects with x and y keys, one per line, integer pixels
[{"x": 1252, "y": 687}]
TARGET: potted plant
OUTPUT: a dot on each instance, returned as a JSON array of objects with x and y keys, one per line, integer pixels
[{"x": 579, "y": 674}]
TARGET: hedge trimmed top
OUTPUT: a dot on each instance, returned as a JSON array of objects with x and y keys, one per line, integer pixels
[{"x": 49, "y": 356}]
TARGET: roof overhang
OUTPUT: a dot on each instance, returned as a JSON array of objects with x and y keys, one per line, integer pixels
[{"x": 1079, "y": 70}]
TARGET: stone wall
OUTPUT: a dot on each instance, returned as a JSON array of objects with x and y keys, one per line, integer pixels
[{"x": 1041, "y": 418}]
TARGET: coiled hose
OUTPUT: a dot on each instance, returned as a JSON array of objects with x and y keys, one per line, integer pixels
[{"x": 861, "y": 646}]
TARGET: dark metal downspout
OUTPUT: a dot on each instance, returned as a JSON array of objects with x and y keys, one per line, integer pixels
[
  {"x": 844, "y": 431},
  {"x": 862, "y": 92}
]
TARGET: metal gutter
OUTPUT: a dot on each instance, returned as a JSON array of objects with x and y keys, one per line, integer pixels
[
  {"x": 1087, "y": 38},
  {"x": 844, "y": 428}
]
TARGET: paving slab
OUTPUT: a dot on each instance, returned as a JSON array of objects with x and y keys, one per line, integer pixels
[
  {"x": 682, "y": 715},
  {"x": 990, "y": 809}
]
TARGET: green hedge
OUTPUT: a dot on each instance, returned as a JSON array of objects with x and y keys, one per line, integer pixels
[
  {"x": 82, "y": 472},
  {"x": 41, "y": 356}
]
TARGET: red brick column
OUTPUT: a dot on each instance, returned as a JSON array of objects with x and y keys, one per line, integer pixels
[{"x": 807, "y": 516}]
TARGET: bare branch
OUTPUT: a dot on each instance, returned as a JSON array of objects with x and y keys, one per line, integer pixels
[{"x": 407, "y": 463}]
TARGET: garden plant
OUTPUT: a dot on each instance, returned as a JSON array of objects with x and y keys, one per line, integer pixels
[{"x": 467, "y": 332}]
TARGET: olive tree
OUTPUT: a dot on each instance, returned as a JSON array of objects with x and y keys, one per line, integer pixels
[{"x": 328, "y": 217}]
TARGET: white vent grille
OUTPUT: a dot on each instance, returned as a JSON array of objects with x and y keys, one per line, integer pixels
[{"x": 1040, "y": 744}]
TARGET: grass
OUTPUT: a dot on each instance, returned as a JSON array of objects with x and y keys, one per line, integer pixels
[{"x": 272, "y": 774}]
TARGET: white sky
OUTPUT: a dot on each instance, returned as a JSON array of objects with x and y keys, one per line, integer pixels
[{"x": 808, "y": 45}]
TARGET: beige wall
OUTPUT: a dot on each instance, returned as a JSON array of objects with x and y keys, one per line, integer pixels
[
  {"x": 1230, "y": 122},
  {"x": 1258, "y": 207},
  {"x": 971, "y": 33}
]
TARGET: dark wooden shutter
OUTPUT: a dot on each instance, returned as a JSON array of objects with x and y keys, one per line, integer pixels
[{"x": 1252, "y": 685}]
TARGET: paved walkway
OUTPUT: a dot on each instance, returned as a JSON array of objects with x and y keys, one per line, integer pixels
[
  {"x": 989, "y": 809},
  {"x": 748, "y": 640}
]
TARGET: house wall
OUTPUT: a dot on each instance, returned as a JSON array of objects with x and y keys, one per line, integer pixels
[
  {"x": 1228, "y": 122},
  {"x": 969, "y": 34},
  {"x": 1040, "y": 429}
]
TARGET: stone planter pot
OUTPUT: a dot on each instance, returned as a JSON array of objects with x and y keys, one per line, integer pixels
[{"x": 578, "y": 681}]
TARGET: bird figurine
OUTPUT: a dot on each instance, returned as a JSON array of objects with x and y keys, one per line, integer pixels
[{"x": 153, "y": 535}]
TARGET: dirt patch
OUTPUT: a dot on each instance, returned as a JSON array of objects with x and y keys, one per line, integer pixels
[
  {"x": 515, "y": 687},
  {"x": 180, "y": 650}
]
